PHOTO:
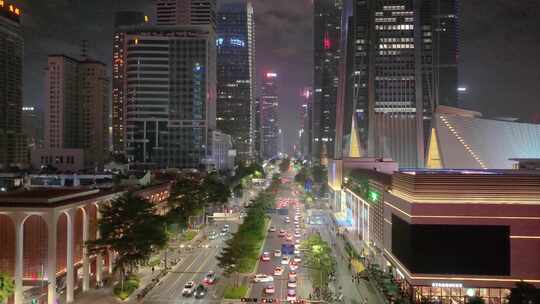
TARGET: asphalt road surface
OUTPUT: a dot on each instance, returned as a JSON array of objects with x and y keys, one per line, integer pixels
[
  {"x": 274, "y": 242},
  {"x": 193, "y": 267}
]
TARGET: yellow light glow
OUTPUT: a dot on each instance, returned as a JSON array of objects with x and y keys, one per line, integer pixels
[
  {"x": 136, "y": 40},
  {"x": 434, "y": 155},
  {"x": 394, "y": 259},
  {"x": 2, "y": 3},
  {"x": 146, "y": 19},
  {"x": 17, "y": 11},
  {"x": 11, "y": 9}
]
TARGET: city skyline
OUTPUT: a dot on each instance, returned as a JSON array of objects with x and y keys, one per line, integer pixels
[{"x": 293, "y": 26}]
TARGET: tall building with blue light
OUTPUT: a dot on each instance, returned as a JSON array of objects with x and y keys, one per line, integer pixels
[
  {"x": 270, "y": 132},
  {"x": 235, "y": 76}
]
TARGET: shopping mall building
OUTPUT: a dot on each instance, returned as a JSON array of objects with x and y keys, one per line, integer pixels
[
  {"x": 43, "y": 232},
  {"x": 445, "y": 234}
]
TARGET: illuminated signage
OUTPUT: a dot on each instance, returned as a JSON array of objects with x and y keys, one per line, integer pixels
[
  {"x": 237, "y": 42},
  {"x": 271, "y": 75},
  {"x": 446, "y": 285},
  {"x": 219, "y": 41}
]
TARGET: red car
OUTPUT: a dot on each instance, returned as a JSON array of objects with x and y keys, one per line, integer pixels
[{"x": 265, "y": 257}]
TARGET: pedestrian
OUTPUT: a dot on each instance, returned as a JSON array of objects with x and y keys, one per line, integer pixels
[{"x": 153, "y": 269}]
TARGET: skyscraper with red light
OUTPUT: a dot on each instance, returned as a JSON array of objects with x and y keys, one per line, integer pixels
[
  {"x": 269, "y": 116},
  {"x": 326, "y": 39}
]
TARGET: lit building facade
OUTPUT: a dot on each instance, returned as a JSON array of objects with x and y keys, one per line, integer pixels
[
  {"x": 236, "y": 76},
  {"x": 257, "y": 132},
  {"x": 326, "y": 39},
  {"x": 119, "y": 81},
  {"x": 186, "y": 12},
  {"x": 77, "y": 107},
  {"x": 43, "y": 237},
  {"x": 269, "y": 103},
  {"x": 12, "y": 140},
  {"x": 169, "y": 94},
  {"x": 402, "y": 57},
  {"x": 305, "y": 134},
  {"x": 33, "y": 126},
  {"x": 416, "y": 230}
]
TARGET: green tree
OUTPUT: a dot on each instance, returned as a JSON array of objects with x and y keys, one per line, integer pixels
[
  {"x": 319, "y": 259},
  {"x": 284, "y": 165},
  {"x": 131, "y": 227},
  {"x": 476, "y": 300},
  {"x": 216, "y": 191},
  {"x": 302, "y": 176},
  {"x": 524, "y": 293},
  {"x": 187, "y": 199},
  {"x": 7, "y": 286},
  {"x": 320, "y": 174}
]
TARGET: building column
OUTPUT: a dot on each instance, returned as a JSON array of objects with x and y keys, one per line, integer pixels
[
  {"x": 99, "y": 268},
  {"x": 18, "y": 219},
  {"x": 86, "y": 262},
  {"x": 111, "y": 259},
  {"x": 69, "y": 256},
  {"x": 51, "y": 220},
  {"x": 99, "y": 258}
]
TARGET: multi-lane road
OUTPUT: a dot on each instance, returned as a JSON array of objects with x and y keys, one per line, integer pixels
[
  {"x": 194, "y": 265},
  {"x": 273, "y": 242}
]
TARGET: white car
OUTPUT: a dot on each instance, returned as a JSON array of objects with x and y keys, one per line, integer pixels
[
  {"x": 297, "y": 259},
  {"x": 277, "y": 253},
  {"x": 296, "y": 251},
  {"x": 261, "y": 278},
  {"x": 297, "y": 235},
  {"x": 297, "y": 226},
  {"x": 188, "y": 289},
  {"x": 278, "y": 271},
  {"x": 297, "y": 241},
  {"x": 293, "y": 266},
  {"x": 287, "y": 221},
  {"x": 285, "y": 260}
]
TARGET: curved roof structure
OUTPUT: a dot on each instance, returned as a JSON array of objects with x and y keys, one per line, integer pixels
[{"x": 460, "y": 140}]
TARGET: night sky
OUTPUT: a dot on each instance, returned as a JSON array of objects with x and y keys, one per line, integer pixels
[{"x": 499, "y": 49}]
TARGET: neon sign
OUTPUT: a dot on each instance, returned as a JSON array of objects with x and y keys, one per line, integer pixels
[
  {"x": 237, "y": 42},
  {"x": 271, "y": 75}
]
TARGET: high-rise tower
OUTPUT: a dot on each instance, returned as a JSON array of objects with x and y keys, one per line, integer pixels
[
  {"x": 269, "y": 117},
  {"x": 77, "y": 107},
  {"x": 119, "y": 79},
  {"x": 236, "y": 76},
  {"x": 326, "y": 31},
  {"x": 186, "y": 12},
  {"x": 402, "y": 59},
  {"x": 12, "y": 140}
]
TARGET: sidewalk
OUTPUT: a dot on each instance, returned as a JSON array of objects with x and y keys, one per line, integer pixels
[{"x": 354, "y": 293}]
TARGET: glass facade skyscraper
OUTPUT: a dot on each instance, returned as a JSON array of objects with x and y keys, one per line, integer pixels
[
  {"x": 269, "y": 117},
  {"x": 12, "y": 140},
  {"x": 236, "y": 76},
  {"x": 326, "y": 39},
  {"x": 402, "y": 64}
]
